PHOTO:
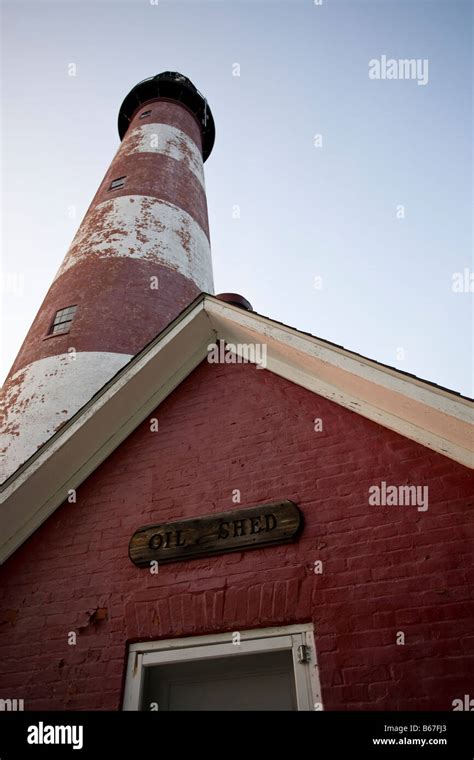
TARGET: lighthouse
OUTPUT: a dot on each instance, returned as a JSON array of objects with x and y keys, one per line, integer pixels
[{"x": 140, "y": 256}]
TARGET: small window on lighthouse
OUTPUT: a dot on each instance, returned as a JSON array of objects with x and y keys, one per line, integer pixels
[
  {"x": 62, "y": 320},
  {"x": 116, "y": 183},
  {"x": 145, "y": 114}
]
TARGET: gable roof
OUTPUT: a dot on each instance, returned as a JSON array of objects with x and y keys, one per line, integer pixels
[{"x": 428, "y": 414}]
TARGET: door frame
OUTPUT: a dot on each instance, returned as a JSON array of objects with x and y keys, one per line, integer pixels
[{"x": 151, "y": 653}]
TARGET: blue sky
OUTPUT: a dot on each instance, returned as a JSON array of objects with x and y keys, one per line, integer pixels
[{"x": 306, "y": 211}]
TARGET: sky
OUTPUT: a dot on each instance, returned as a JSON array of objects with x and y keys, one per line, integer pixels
[{"x": 339, "y": 204}]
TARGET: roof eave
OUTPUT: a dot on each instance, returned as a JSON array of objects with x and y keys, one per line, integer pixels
[{"x": 420, "y": 411}]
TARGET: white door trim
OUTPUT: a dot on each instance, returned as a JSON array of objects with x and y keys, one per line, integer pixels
[{"x": 150, "y": 653}]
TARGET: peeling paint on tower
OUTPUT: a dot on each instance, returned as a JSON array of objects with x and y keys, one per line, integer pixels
[{"x": 148, "y": 221}]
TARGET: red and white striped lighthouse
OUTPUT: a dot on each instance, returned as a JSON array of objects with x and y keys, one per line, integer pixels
[{"x": 141, "y": 254}]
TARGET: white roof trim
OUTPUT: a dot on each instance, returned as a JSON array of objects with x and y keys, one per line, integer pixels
[
  {"x": 417, "y": 410},
  {"x": 425, "y": 413}
]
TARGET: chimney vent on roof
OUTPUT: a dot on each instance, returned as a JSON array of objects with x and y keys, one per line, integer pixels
[{"x": 236, "y": 300}]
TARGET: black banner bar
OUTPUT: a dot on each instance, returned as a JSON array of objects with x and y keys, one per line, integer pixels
[{"x": 220, "y": 734}]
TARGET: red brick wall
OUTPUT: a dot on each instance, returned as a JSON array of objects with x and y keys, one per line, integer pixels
[{"x": 385, "y": 569}]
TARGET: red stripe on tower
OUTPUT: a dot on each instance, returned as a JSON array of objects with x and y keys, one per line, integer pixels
[{"x": 140, "y": 256}]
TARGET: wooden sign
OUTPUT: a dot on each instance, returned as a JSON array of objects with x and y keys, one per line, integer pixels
[{"x": 234, "y": 531}]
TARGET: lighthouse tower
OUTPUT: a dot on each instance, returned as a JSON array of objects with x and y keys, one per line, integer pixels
[{"x": 141, "y": 254}]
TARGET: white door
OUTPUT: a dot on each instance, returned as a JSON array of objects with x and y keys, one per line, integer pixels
[{"x": 267, "y": 669}]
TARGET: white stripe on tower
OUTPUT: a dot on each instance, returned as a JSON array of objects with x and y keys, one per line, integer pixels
[
  {"x": 167, "y": 140},
  {"x": 76, "y": 378},
  {"x": 142, "y": 227}
]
